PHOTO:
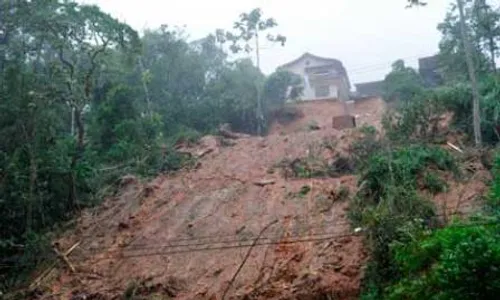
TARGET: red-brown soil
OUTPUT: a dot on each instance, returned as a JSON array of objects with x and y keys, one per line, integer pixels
[{"x": 186, "y": 235}]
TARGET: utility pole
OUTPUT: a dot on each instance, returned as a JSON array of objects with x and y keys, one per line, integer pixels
[{"x": 472, "y": 75}]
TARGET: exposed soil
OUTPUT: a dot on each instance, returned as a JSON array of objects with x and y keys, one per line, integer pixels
[{"x": 186, "y": 235}]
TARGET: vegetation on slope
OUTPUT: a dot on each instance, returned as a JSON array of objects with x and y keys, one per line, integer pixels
[{"x": 84, "y": 99}]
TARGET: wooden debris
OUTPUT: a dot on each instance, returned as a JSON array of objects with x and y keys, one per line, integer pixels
[
  {"x": 265, "y": 182},
  {"x": 225, "y": 131},
  {"x": 204, "y": 152},
  {"x": 454, "y": 147},
  {"x": 49, "y": 270},
  {"x": 64, "y": 258}
]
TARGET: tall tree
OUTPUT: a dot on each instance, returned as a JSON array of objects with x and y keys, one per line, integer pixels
[
  {"x": 249, "y": 28},
  {"x": 452, "y": 50},
  {"x": 472, "y": 74},
  {"x": 485, "y": 22},
  {"x": 79, "y": 35}
]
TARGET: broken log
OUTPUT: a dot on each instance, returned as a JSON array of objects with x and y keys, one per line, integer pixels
[{"x": 264, "y": 182}]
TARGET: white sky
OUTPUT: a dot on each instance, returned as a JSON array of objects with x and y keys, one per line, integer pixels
[{"x": 366, "y": 35}]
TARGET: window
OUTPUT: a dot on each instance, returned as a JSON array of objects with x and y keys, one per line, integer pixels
[
  {"x": 322, "y": 91},
  {"x": 322, "y": 72}
]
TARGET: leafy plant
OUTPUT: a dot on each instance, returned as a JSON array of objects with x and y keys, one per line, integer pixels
[
  {"x": 402, "y": 83},
  {"x": 458, "y": 262},
  {"x": 433, "y": 183},
  {"x": 388, "y": 204}
]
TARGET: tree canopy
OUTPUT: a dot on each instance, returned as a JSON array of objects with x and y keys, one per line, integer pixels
[{"x": 84, "y": 100}]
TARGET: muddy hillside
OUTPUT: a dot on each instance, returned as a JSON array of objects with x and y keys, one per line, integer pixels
[{"x": 187, "y": 235}]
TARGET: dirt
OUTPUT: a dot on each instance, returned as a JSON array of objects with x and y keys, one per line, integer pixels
[{"x": 186, "y": 235}]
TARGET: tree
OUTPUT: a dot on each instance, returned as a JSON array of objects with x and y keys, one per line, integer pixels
[
  {"x": 281, "y": 86},
  {"x": 402, "y": 83},
  {"x": 472, "y": 74},
  {"x": 79, "y": 36},
  {"x": 59, "y": 57},
  {"x": 249, "y": 27},
  {"x": 486, "y": 24},
  {"x": 415, "y": 3},
  {"x": 452, "y": 50}
]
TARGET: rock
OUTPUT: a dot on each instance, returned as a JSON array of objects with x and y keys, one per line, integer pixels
[
  {"x": 218, "y": 271},
  {"x": 123, "y": 225}
]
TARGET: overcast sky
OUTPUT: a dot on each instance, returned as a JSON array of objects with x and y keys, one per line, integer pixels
[{"x": 366, "y": 35}]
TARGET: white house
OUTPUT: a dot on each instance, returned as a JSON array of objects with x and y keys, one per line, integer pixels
[{"x": 322, "y": 78}]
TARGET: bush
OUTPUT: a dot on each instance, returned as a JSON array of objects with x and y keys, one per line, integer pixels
[
  {"x": 458, "y": 262},
  {"x": 402, "y": 166},
  {"x": 388, "y": 205},
  {"x": 402, "y": 83},
  {"x": 458, "y": 99},
  {"x": 415, "y": 120},
  {"x": 493, "y": 198},
  {"x": 434, "y": 184}
]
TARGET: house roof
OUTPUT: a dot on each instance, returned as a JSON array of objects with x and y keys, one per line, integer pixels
[
  {"x": 429, "y": 62},
  {"x": 374, "y": 88},
  {"x": 334, "y": 62}
]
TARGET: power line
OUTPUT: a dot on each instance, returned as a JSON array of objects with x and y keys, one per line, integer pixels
[
  {"x": 196, "y": 242},
  {"x": 264, "y": 241},
  {"x": 307, "y": 239},
  {"x": 324, "y": 223}
]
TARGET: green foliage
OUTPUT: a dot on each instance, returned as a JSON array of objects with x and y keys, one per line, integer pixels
[
  {"x": 402, "y": 83},
  {"x": 84, "y": 100},
  {"x": 458, "y": 262},
  {"x": 276, "y": 87},
  {"x": 458, "y": 99},
  {"x": 368, "y": 130},
  {"x": 402, "y": 166},
  {"x": 248, "y": 27},
  {"x": 365, "y": 146},
  {"x": 418, "y": 119},
  {"x": 434, "y": 183},
  {"x": 415, "y": 120},
  {"x": 388, "y": 205},
  {"x": 304, "y": 190},
  {"x": 494, "y": 193},
  {"x": 451, "y": 50}
]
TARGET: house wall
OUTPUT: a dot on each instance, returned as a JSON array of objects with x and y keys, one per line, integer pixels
[{"x": 338, "y": 87}]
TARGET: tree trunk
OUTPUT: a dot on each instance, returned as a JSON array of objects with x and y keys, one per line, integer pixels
[
  {"x": 472, "y": 75},
  {"x": 145, "y": 87},
  {"x": 260, "y": 115},
  {"x": 492, "y": 53},
  {"x": 80, "y": 147},
  {"x": 32, "y": 187}
]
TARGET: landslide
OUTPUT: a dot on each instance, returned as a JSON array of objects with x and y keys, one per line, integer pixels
[{"x": 185, "y": 235}]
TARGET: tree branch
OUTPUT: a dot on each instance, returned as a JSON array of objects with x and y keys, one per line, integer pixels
[{"x": 246, "y": 257}]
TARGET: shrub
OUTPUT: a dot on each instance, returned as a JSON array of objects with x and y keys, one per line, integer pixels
[
  {"x": 415, "y": 120},
  {"x": 402, "y": 83},
  {"x": 458, "y": 262},
  {"x": 388, "y": 205},
  {"x": 458, "y": 99},
  {"x": 402, "y": 166},
  {"x": 363, "y": 148},
  {"x": 433, "y": 183},
  {"x": 494, "y": 194}
]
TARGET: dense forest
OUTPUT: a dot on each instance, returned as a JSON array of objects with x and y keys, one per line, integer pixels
[{"x": 84, "y": 99}]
